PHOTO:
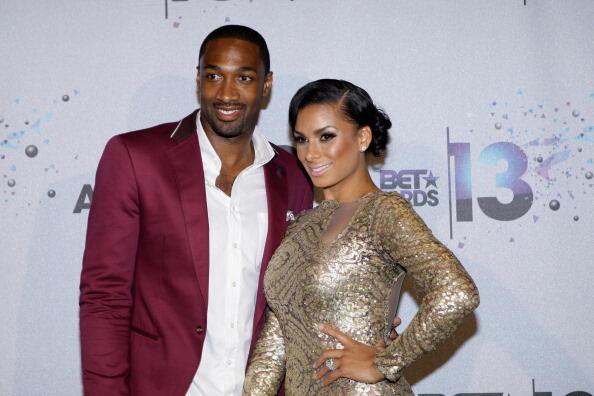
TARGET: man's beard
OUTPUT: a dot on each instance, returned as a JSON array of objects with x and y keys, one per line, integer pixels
[{"x": 230, "y": 129}]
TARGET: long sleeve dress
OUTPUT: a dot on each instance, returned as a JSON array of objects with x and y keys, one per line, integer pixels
[{"x": 346, "y": 283}]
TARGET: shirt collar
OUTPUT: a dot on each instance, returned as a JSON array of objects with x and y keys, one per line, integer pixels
[{"x": 212, "y": 163}]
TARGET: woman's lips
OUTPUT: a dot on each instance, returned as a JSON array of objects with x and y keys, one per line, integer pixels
[{"x": 319, "y": 170}]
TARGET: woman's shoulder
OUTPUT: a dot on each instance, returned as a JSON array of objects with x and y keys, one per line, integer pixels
[
  {"x": 389, "y": 207},
  {"x": 389, "y": 200}
]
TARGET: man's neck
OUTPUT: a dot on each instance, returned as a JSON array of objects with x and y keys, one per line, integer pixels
[{"x": 235, "y": 154}]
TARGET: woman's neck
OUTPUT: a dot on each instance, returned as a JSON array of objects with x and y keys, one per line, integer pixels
[{"x": 351, "y": 190}]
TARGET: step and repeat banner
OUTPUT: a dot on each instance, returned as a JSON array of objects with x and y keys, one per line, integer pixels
[{"x": 493, "y": 111}]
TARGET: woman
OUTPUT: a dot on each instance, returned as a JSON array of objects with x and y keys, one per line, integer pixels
[{"x": 329, "y": 282}]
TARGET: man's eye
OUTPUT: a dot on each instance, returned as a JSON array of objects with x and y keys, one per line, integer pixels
[
  {"x": 327, "y": 136},
  {"x": 245, "y": 78},
  {"x": 213, "y": 76}
]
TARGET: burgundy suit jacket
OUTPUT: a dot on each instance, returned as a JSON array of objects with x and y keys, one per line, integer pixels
[{"x": 144, "y": 282}]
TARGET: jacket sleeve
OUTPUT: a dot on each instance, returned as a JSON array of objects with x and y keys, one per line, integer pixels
[
  {"x": 448, "y": 293},
  {"x": 107, "y": 274}
]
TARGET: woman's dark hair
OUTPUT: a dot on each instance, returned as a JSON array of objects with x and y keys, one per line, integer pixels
[{"x": 356, "y": 105}]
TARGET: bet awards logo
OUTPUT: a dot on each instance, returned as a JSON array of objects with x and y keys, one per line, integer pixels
[{"x": 417, "y": 186}]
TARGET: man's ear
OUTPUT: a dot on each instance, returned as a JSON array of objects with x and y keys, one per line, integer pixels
[
  {"x": 267, "y": 84},
  {"x": 198, "y": 76}
]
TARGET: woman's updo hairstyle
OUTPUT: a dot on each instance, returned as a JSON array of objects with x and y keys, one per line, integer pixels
[{"x": 356, "y": 105}]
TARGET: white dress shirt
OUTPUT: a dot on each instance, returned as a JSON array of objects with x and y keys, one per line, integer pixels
[{"x": 237, "y": 226}]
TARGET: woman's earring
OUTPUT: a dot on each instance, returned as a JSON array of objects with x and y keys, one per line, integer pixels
[{"x": 363, "y": 148}]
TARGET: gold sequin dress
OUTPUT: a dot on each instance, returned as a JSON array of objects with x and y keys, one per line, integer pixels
[{"x": 346, "y": 283}]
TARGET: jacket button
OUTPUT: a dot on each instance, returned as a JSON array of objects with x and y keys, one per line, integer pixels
[{"x": 199, "y": 330}]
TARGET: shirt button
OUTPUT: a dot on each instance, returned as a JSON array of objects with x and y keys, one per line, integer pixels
[
  {"x": 235, "y": 245},
  {"x": 232, "y": 325},
  {"x": 199, "y": 330},
  {"x": 234, "y": 284},
  {"x": 229, "y": 362}
]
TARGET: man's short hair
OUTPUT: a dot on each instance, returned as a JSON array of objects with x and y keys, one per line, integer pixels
[{"x": 241, "y": 33}]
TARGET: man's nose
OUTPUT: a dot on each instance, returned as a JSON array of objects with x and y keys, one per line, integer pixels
[{"x": 228, "y": 91}]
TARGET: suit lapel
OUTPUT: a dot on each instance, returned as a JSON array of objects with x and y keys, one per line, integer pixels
[
  {"x": 187, "y": 164},
  {"x": 277, "y": 200},
  {"x": 189, "y": 174}
]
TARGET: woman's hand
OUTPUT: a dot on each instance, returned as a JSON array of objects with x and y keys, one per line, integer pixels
[{"x": 355, "y": 361}]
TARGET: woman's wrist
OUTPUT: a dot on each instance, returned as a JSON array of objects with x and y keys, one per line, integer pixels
[{"x": 389, "y": 371}]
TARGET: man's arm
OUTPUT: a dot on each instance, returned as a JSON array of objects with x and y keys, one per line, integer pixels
[{"x": 107, "y": 274}]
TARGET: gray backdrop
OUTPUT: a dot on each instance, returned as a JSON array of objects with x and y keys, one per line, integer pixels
[{"x": 493, "y": 111}]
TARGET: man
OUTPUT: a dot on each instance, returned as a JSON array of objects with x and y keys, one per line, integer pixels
[{"x": 184, "y": 219}]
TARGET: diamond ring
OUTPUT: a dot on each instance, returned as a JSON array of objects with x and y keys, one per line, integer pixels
[{"x": 330, "y": 364}]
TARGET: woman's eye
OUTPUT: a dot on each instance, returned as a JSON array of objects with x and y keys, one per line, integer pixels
[
  {"x": 299, "y": 139},
  {"x": 327, "y": 136}
]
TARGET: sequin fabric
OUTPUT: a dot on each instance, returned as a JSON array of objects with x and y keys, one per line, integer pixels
[{"x": 346, "y": 283}]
